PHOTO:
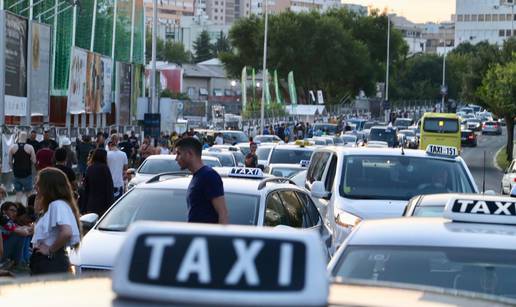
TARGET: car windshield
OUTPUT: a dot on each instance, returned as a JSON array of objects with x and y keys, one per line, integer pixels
[
  {"x": 156, "y": 166},
  {"x": 234, "y": 137},
  {"x": 170, "y": 205},
  {"x": 408, "y": 133},
  {"x": 263, "y": 153},
  {"x": 475, "y": 121},
  {"x": 338, "y": 140},
  {"x": 211, "y": 162},
  {"x": 285, "y": 172},
  {"x": 480, "y": 270},
  {"x": 441, "y": 125},
  {"x": 226, "y": 159},
  {"x": 401, "y": 177},
  {"x": 384, "y": 135},
  {"x": 290, "y": 156},
  {"x": 245, "y": 150}
]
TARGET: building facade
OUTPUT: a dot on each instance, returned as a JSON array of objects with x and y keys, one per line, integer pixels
[{"x": 484, "y": 20}]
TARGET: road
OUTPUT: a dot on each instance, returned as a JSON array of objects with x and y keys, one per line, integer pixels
[{"x": 474, "y": 157}]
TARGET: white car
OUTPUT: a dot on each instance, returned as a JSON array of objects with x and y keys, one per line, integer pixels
[
  {"x": 252, "y": 199},
  {"x": 354, "y": 184},
  {"x": 509, "y": 178},
  {"x": 473, "y": 248},
  {"x": 286, "y": 170},
  {"x": 263, "y": 138},
  {"x": 290, "y": 154},
  {"x": 157, "y": 164},
  {"x": 263, "y": 152}
]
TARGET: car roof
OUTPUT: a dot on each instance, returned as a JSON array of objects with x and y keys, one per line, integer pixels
[
  {"x": 292, "y": 146},
  {"x": 384, "y": 152},
  {"x": 433, "y": 232},
  {"x": 161, "y": 157},
  {"x": 285, "y": 165}
]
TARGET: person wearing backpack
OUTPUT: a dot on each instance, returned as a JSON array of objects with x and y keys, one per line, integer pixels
[{"x": 22, "y": 158}]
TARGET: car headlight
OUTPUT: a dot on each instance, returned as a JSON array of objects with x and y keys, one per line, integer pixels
[{"x": 345, "y": 219}]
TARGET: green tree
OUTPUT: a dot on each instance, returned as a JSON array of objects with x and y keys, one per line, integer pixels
[
  {"x": 498, "y": 93},
  {"x": 202, "y": 47},
  {"x": 175, "y": 52},
  {"x": 221, "y": 45}
]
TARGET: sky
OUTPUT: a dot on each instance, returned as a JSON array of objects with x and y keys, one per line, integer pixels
[{"x": 414, "y": 10}]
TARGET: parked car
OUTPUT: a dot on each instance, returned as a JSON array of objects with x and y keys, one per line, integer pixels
[{"x": 492, "y": 127}]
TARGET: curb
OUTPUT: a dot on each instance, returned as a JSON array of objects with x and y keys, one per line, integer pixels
[{"x": 495, "y": 163}]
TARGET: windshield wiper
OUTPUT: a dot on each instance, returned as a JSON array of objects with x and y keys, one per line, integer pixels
[{"x": 111, "y": 229}]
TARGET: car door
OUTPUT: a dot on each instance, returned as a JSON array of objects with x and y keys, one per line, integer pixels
[
  {"x": 275, "y": 212},
  {"x": 506, "y": 183}
]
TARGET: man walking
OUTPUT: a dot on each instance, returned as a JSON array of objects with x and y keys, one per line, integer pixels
[
  {"x": 251, "y": 160},
  {"x": 205, "y": 195},
  {"x": 117, "y": 163},
  {"x": 21, "y": 159}
]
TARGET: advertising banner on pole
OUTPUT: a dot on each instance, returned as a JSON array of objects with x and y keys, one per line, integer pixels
[
  {"x": 15, "y": 65},
  {"x": 243, "y": 83},
  {"x": 124, "y": 75},
  {"x": 94, "y": 80},
  {"x": 107, "y": 68},
  {"x": 7, "y": 142},
  {"x": 76, "y": 89},
  {"x": 40, "y": 69},
  {"x": 292, "y": 88},
  {"x": 136, "y": 90}
]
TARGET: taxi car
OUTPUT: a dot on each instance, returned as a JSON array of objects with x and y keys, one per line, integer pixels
[
  {"x": 472, "y": 248},
  {"x": 252, "y": 198},
  {"x": 354, "y": 184},
  {"x": 286, "y": 170},
  {"x": 290, "y": 153},
  {"x": 267, "y": 138}
]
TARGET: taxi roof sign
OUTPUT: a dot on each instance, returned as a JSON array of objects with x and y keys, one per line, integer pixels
[
  {"x": 221, "y": 265},
  {"x": 441, "y": 150},
  {"x": 246, "y": 172},
  {"x": 304, "y": 163},
  {"x": 488, "y": 209}
]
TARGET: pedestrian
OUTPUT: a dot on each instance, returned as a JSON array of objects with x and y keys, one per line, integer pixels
[
  {"x": 117, "y": 163},
  {"x": 32, "y": 141},
  {"x": 205, "y": 195},
  {"x": 58, "y": 227},
  {"x": 48, "y": 142},
  {"x": 21, "y": 160},
  {"x": 100, "y": 141},
  {"x": 71, "y": 157},
  {"x": 13, "y": 235},
  {"x": 251, "y": 159},
  {"x": 60, "y": 156},
  {"x": 98, "y": 185},
  {"x": 135, "y": 145},
  {"x": 219, "y": 140},
  {"x": 126, "y": 146},
  {"x": 146, "y": 150},
  {"x": 83, "y": 149}
]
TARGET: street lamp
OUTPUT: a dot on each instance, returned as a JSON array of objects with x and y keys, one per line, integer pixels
[
  {"x": 443, "y": 87},
  {"x": 387, "y": 69},
  {"x": 264, "y": 73}
]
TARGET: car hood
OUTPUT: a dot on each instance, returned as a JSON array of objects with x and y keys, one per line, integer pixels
[
  {"x": 139, "y": 178},
  {"x": 98, "y": 249},
  {"x": 372, "y": 208}
]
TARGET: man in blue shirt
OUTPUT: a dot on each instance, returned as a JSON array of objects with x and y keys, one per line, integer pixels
[{"x": 205, "y": 195}]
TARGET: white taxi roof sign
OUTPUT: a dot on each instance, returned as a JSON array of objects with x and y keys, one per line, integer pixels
[
  {"x": 304, "y": 163},
  {"x": 221, "y": 265},
  {"x": 246, "y": 172},
  {"x": 441, "y": 150},
  {"x": 488, "y": 209}
]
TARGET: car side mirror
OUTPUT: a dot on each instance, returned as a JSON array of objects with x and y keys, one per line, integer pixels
[
  {"x": 319, "y": 190},
  {"x": 131, "y": 171},
  {"x": 88, "y": 221}
]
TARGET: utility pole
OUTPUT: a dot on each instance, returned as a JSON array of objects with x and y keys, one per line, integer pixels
[
  {"x": 264, "y": 73},
  {"x": 387, "y": 105}
]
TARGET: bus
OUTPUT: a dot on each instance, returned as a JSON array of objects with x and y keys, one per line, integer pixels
[{"x": 440, "y": 129}]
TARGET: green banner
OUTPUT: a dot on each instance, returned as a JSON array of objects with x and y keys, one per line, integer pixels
[
  {"x": 276, "y": 87},
  {"x": 266, "y": 87},
  {"x": 292, "y": 88},
  {"x": 243, "y": 83}
]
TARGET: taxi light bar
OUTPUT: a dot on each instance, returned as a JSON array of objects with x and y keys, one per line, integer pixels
[
  {"x": 441, "y": 150},
  {"x": 246, "y": 172},
  {"x": 481, "y": 209},
  {"x": 304, "y": 163},
  {"x": 180, "y": 263}
]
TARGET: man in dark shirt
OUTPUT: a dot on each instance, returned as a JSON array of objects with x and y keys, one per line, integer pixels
[
  {"x": 32, "y": 141},
  {"x": 251, "y": 160},
  {"x": 60, "y": 158},
  {"x": 126, "y": 146},
  {"x": 205, "y": 195},
  {"x": 48, "y": 142}
]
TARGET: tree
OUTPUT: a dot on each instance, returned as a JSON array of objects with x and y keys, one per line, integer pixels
[
  {"x": 175, "y": 52},
  {"x": 202, "y": 47},
  {"x": 221, "y": 45},
  {"x": 498, "y": 93}
]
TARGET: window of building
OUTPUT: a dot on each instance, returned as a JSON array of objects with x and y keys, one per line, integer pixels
[
  {"x": 501, "y": 33},
  {"x": 467, "y": 17},
  {"x": 191, "y": 92},
  {"x": 474, "y": 17},
  {"x": 203, "y": 92},
  {"x": 216, "y": 3},
  {"x": 502, "y": 17},
  {"x": 488, "y": 17},
  {"x": 218, "y": 92},
  {"x": 507, "y": 33},
  {"x": 481, "y": 17},
  {"x": 215, "y": 17},
  {"x": 460, "y": 18},
  {"x": 495, "y": 17},
  {"x": 216, "y": 10},
  {"x": 509, "y": 17}
]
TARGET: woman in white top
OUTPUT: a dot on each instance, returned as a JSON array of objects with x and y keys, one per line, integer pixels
[{"x": 58, "y": 226}]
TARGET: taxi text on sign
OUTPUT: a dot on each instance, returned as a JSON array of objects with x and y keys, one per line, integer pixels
[{"x": 231, "y": 265}]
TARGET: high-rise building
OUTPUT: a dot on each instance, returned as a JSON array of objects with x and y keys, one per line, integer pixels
[
  {"x": 169, "y": 15},
  {"x": 484, "y": 20},
  {"x": 224, "y": 12}
]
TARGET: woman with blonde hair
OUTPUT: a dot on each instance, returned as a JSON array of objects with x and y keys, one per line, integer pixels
[{"x": 58, "y": 227}]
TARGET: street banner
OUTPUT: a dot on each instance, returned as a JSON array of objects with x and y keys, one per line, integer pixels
[
  {"x": 136, "y": 90},
  {"x": 39, "y": 73},
  {"x": 276, "y": 87},
  {"x": 320, "y": 98},
  {"x": 15, "y": 65},
  {"x": 266, "y": 87},
  {"x": 94, "y": 80},
  {"x": 7, "y": 142},
  {"x": 77, "y": 83},
  {"x": 254, "y": 84},
  {"x": 292, "y": 88},
  {"x": 124, "y": 75},
  {"x": 243, "y": 83},
  {"x": 107, "y": 74}
]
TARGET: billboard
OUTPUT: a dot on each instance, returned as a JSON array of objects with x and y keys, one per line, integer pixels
[
  {"x": 124, "y": 77},
  {"x": 39, "y": 73},
  {"x": 94, "y": 78},
  {"x": 107, "y": 69},
  {"x": 76, "y": 89},
  {"x": 15, "y": 65}
]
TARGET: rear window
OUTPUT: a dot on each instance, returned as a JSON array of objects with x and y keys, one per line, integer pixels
[
  {"x": 384, "y": 135},
  {"x": 290, "y": 156},
  {"x": 155, "y": 166},
  {"x": 441, "y": 125}
]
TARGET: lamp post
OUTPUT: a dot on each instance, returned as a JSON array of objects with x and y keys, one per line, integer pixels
[
  {"x": 264, "y": 74},
  {"x": 154, "y": 103},
  {"x": 443, "y": 86},
  {"x": 387, "y": 107}
]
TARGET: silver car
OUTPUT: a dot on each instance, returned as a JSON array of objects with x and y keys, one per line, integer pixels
[{"x": 492, "y": 127}]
